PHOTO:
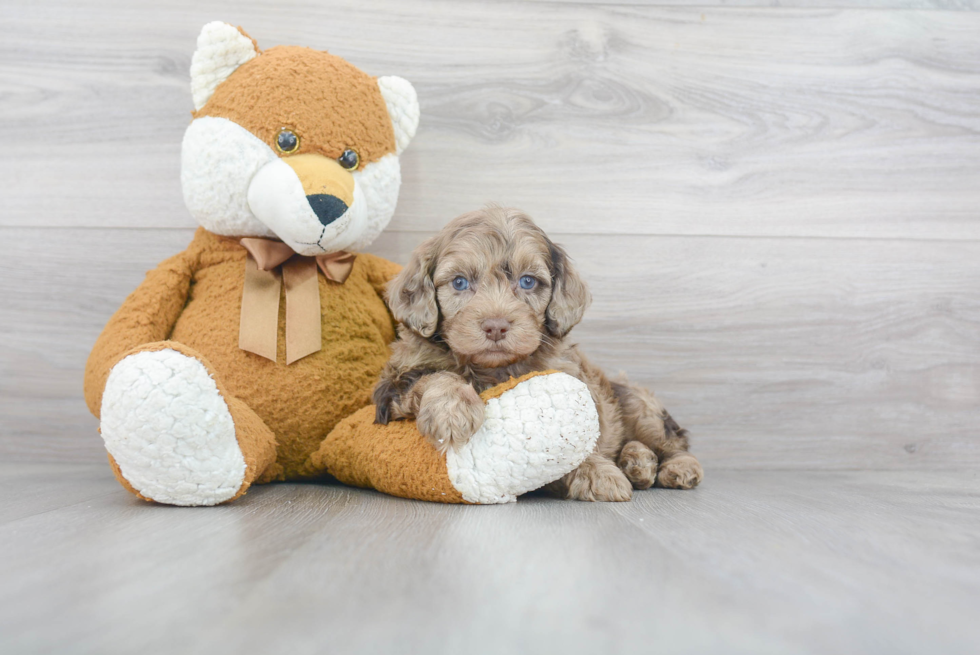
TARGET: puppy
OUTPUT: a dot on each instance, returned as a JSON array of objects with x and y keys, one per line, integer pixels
[{"x": 490, "y": 298}]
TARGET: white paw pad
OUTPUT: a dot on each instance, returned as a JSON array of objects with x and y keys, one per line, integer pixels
[
  {"x": 170, "y": 431},
  {"x": 533, "y": 434}
]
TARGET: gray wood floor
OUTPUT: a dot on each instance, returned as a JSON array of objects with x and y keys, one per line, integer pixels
[
  {"x": 751, "y": 562},
  {"x": 777, "y": 205}
]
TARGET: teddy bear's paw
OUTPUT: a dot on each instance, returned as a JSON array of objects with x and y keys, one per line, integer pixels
[
  {"x": 170, "y": 431},
  {"x": 533, "y": 434}
]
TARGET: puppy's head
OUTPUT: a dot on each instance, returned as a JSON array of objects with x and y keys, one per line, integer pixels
[{"x": 492, "y": 285}]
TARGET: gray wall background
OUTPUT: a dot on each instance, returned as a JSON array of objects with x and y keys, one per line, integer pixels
[{"x": 777, "y": 204}]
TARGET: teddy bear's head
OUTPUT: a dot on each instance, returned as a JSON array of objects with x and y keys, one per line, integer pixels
[{"x": 292, "y": 143}]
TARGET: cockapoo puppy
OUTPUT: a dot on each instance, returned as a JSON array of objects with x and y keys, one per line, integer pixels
[{"x": 490, "y": 298}]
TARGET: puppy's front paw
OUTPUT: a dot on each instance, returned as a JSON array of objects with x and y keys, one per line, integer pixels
[
  {"x": 680, "y": 472},
  {"x": 600, "y": 481},
  {"x": 449, "y": 414}
]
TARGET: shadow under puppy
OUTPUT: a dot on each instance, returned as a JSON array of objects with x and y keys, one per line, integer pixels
[{"x": 489, "y": 298}]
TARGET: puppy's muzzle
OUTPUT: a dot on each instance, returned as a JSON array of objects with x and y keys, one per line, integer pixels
[
  {"x": 495, "y": 329},
  {"x": 329, "y": 188}
]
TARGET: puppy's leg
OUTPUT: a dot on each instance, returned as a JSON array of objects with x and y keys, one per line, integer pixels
[
  {"x": 639, "y": 464},
  {"x": 596, "y": 479},
  {"x": 446, "y": 408},
  {"x": 651, "y": 425}
]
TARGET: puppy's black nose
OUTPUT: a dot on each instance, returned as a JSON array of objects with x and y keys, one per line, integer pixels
[
  {"x": 326, "y": 207},
  {"x": 495, "y": 328}
]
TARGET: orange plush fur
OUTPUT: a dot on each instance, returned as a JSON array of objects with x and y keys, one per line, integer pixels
[
  {"x": 192, "y": 302},
  {"x": 194, "y": 299},
  {"x": 260, "y": 97},
  {"x": 388, "y": 458},
  {"x": 190, "y": 417}
]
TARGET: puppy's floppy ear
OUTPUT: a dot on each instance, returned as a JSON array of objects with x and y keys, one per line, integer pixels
[
  {"x": 412, "y": 295},
  {"x": 570, "y": 295}
]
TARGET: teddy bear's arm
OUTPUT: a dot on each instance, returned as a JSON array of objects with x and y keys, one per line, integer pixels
[
  {"x": 380, "y": 272},
  {"x": 146, "y": 316}
]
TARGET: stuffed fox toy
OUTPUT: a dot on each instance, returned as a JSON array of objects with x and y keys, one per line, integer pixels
[{"x": 250, "y": 357}]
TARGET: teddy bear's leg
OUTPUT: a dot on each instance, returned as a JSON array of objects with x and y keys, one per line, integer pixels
[
  {"x": 173, "y": 436},
  {"x": 537, "y": 429}
]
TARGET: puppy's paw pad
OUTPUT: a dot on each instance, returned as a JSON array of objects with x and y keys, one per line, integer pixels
[
  {"x": 639, "y": 464},
  {"x": 681, "y": 472}
]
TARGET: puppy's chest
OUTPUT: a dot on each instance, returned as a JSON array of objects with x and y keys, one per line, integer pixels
[{"x": 483, "y": 379}]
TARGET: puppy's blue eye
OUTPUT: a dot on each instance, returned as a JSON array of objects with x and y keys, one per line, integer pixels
[
  {"x": 460, "y": 283},
  {"x": 528, "y": 282}
]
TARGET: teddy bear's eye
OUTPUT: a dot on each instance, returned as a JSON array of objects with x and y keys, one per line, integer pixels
[
  {"x": 287, "y": 141},
  {"x": 349, "y": 159}
]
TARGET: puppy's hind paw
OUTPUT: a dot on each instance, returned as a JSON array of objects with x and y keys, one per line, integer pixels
[
  {"x": 449, "y": 415},
  {"x": 639, "y": 464},
  {"x": 599, "y": 482},
  {"x": 682, "y": 471}
]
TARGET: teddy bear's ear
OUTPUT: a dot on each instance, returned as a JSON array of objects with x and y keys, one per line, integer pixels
[
  {"x": 221, "y": 48},
  {"x": 403, "y": 108}
]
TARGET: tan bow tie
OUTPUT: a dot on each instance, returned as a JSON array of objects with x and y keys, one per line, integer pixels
[{"x": 258, "y": 328}]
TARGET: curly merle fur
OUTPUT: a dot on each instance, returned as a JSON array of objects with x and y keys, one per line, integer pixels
[{"x": 518, "y": 299}]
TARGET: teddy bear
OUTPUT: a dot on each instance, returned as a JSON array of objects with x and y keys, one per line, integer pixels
[{"x": 250, "y": 357}]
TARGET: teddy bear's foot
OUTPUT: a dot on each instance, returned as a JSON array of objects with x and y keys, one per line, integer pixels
[
  {"x": 534, "y": 433},
  {"x": 537, "y": 429},
  {"x": 169, "y": 430}
]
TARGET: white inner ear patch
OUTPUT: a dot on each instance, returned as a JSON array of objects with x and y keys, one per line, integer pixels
[
  {"x": 221, "y": 49},
  {"x": 403, "y": 108}
]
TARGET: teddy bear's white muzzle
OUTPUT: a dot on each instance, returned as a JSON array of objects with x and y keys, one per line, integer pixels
[{"x": 311, "y": 224}]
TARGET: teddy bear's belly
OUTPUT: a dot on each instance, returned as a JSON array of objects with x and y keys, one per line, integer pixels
[{"x": 301, "y": 402}]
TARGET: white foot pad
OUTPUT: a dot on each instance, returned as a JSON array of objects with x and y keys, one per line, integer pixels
[
  {"x": 170, "y": 431},
  {"x": 533, "y": 434}
]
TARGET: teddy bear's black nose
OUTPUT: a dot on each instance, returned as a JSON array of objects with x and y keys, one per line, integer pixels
[{"x": 326, "y": 207}]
